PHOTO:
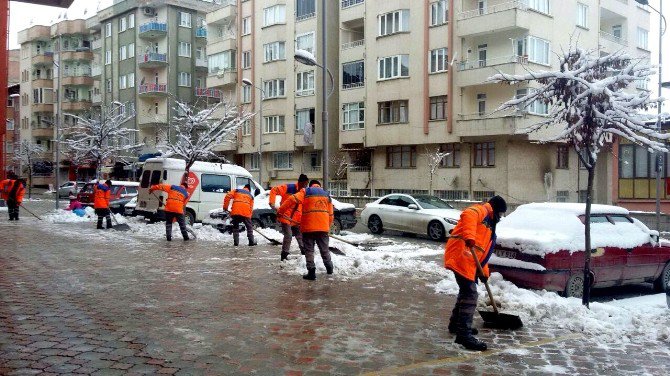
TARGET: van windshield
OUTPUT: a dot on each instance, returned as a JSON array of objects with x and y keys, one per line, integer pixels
[{"x": 146, "y": 175}]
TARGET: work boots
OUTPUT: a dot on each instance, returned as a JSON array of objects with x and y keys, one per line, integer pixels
[
  {"x": 252, "y": 241},
  {"x": 236, "y": 239},
  {"x": 185, "y": 236},
  {"x": 329, "y": 266},
  {"x": 453, "y": 330},
  {"x": 284, "y": 256},
  {"x": 311, "y": 274},
  {"x": 471, "y": 343}
]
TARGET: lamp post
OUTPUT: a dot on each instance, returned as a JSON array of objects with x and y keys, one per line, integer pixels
[
  {"x": 59, "y": 115},
  {"x": 248, "y": 82}
]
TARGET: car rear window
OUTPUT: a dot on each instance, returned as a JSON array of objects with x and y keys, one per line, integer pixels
[{"x": 88, "y": 188}]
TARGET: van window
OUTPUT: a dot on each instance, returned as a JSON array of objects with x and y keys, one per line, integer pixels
[
  {"x": 215, "y": 183},
  {"x": 241, "y": 182},
  {"x": 155, "y": 177},
  {"x": 164, "y": 175},
  {"x": 145, "y": 179},
  {"x": 131, "y": 190}
]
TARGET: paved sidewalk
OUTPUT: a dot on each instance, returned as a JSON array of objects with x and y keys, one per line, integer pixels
[{"x": 111, "y": 305}]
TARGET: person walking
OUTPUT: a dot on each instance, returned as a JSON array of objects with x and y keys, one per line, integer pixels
[
  {"x": 6, "y": 184},
  {"x": 174, "y": 207},
  {"x": 476, "y": 230},
  {"x": 289, "y": 219},
  {"x": 101, "y": 194},
  {"x": 15, "y": 198},
  {"x": 317, "y": 217},
  {"x": 240, "y": 204}
]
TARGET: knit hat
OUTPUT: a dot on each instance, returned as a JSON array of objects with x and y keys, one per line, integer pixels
[
  {"x": 302, "y": 178},
  {"x": 498, "y": 204},
  {"x": 109, "y": 183},
  {"x": 313, "y": 182}
]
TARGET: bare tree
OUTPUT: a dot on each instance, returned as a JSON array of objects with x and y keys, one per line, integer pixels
[
  {"x": 341, "y": 163},
  {"x": 435, "y": 157},
  {"x": 588, "y": 99},
  {"x": 27, "y": 154}
]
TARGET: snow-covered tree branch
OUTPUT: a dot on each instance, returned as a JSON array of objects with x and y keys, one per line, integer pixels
[
  {"x": 27, "y": 154},
  {"x": 435, "y": 157}
]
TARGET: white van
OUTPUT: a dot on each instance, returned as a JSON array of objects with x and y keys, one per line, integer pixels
[{"x": 208, "y": 185}]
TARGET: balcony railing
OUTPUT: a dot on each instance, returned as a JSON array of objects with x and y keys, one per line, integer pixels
[
  {"x": 353, "y": 85},
  {"x": 356, "y": 43},
  {"x": 96, "y": 44},
  {"x": 518, "y": 4},
  {"x": 351, "y": 3},
  {"x": 78, "y": 73},
  {"x": 201, "y": 32},
  {"x": 153, "y": 26},
  {"x": 152, "y": 88},
  {"x": 153, "y": 58},
  {"x": 209, "y": 93},
  {"x": 96, "y": 70},
  {"x": 476, "y": 64},
  {"x": 305, "y": 16},
  {"x": 359, "y": 168},
  {"x": 613, "y": 38}
]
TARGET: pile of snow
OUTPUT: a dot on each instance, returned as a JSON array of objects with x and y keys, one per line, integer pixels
[
  {"x": 3, "y": 209},
  {"x": 65, "y": 216},
  {"x": 542, "y": 228}
]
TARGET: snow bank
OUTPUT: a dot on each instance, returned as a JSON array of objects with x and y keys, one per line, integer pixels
[
  {"x": 65, "y": 216},
  {"x": 503, "y": 261},
  {"x": 3, "y": 209}
]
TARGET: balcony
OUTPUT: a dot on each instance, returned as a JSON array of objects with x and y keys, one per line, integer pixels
[
  {"x": 42, "y": 132},
  {"x": 43, "y": 107},
  {"x": 201, "y": 64},
  {"x": 96, "y": 99},
  {"x": 487, "y": 125},
  {"x": 354, "y": 44},
  {"x": 473, "y": 73},
  {"x": 350, "y": 3},
  {"x": 217, "y": 45},
  {"x": 222, "y": 15},
  {"x": 153, "y": 30},
  {"x": 202, "y": 92},
  {"x": 76, "y": 105},
  {"x": 96, "y": 44},
  {"x": 152, "y": 60},
  {"x": 201, "y": 32},
  {"x": 78, "y": 79},
  {"x": 43, "y": 83},
  {"x": 223, "y": 78},
  {"x": 153, "y": 90},
  {"x": 80, "y": 54},
  {"x": 611, "y": 43},
  {"x": 511, "y": 15},
  {"x": 96, "y": 71},
  {"x": 46, "y": 58}
]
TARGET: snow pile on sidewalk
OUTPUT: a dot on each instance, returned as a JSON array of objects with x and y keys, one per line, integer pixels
[{"x": 65, "y": 216}]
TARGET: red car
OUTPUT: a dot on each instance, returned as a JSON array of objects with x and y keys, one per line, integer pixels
[
  {"x": 541, "y": 246},
  {"x": 120, "y": 189}
]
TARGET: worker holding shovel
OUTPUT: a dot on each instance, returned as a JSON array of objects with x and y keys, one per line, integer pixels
[
  {"x": 174, "y": 207},
  {"x": 240, "y": 204},
  {"x": 15, "y": 198},
  {"x": 289, "y": 219},
  {"x": 475, "y": 230}
]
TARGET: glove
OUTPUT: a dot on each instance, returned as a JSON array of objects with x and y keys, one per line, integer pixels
[
  {"x": 469, "y": 243},
  {"x": 482, "y": 278}
]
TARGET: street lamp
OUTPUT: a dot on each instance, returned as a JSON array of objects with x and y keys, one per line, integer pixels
[
  {"x": 59, "y": 115},
  {"x": 248, "y": 82},
  {"x": 306, "y": 57}
]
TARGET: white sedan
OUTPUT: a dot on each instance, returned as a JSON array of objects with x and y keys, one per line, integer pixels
[{"x": 420, "y": 214}]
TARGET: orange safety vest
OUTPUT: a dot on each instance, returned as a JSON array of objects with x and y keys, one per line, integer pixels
[
  {"x": 289, "y": 214},
  {"x": 317, "y": 209},
  {"x": 101, "y": 194},
  {"x": 176, "y": 199},
  {"x": 16, "y": 192},
  {"x": 476, "y": 223},
  {"x": 5, "y": 187},
  {"x": 243, "y": 202}
]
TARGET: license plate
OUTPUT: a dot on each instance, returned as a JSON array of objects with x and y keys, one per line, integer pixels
[{"x": 506, "y": 254}]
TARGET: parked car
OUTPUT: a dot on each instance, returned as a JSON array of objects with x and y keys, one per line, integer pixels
[
  {"x": 129, "y": 208},
  {"x": 70, "y": 188},
  {"x": 122, "y": 192},
  {"x": 418, "y": 214},
  {"x": 541, "y": 246}
]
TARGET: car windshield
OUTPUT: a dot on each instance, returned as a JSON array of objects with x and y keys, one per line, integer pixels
[{"x": 432, "y": 202}]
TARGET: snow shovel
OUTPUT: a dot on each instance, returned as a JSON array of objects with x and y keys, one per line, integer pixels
[
  {"x": 357, "y": 245},
  {"x": 495, "y": 319},
  {"x": 119, "y": 226},
  {"x": 274, "y": 242},
  {"x": 33, "y": 214}
]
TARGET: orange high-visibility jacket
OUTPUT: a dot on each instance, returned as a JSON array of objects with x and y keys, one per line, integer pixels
[
  {"x": 283, "y": 191},
  {"x": 290, "y": 214},
  {"x": 176, "y": 199},
  {"x": 5, "y": 186},
  {"x": 243, "y": 202},
  {"x": 476, "y": 223},
  {"x": 101, "y": 194},
  {"x": 317, "y": 209},
  {"x": 16, "y": 191}
]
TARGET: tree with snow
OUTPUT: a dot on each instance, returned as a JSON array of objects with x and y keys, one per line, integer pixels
[
  {"x": 103, "y": 138},
  {"x": 435, "y": 157},
  {"x": 341, "y": 163},
  {"x": 589, "y": 97},
  {"x": 27, "y": 154}
]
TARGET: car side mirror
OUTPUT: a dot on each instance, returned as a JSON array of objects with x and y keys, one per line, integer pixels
[{"x": 413, "y": 207}]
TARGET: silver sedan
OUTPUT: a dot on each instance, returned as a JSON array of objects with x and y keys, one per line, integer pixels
[{"x": 418, "y": 214}]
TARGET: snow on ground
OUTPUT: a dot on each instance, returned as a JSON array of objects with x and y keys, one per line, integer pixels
[
  {"x": 63, "y": 216},
  {"x": 3, "y": 209}
]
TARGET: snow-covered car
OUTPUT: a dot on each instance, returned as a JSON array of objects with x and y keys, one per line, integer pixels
[
  {"x": 70, "y": 188},
  {"x": 417, "y": 214},
  {"x": 129, "y": 208},
  {"x": 541, "y": 246},
  {"x": 120, "y": 190}
]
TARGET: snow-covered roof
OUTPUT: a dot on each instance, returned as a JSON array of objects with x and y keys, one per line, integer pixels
[
  {"x": 207, "y": 167},
  {"x": 575, "y": 208}
]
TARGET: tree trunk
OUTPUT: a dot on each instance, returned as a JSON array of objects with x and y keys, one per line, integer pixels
[
  {"x": 587, "y": 237},
  {"x": 430, "y": 184},
  {"x": 30, "y": 183}
]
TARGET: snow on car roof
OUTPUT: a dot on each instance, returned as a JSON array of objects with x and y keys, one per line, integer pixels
[
  {"x": 198, "y": 166},
  {"x": 544, "y": 228},
  {"x": 119, "y": 182}
]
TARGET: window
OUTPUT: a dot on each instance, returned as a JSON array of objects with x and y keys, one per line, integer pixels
[
  {"x": 401, "y": 157},
  {"x": 626, "y": 161},
  {"x": 274, "y": 51},
  {"x": 393, "y": 67},
  {"x": 539, "y": 5},
  {"x": 304, "y": 118},
  {"x": 108, "y": 29},
  {"x": 274, "y": 15},
  {"x": 393, "y": 112},
  {"x": 438, "y": 107},
  {"x": 642, "y": 84},
  {"x": 184, "y": 19},
  {"x": 246, "y": 26},
  {"x": 562, "y": 156},
  {"x": 453, "y": 158},
  {"x": 123, "y": 53},
  {"x": 617, "y": 31},
  {"x": 131, "y": 79},
  {"x": 305, "y": 42},
  {"x": 439, "y": 60},
  {"x": 538, "y": 50},
  {"x": 109, "y": 85},
  {"x": 108, "y": 57},
  {"x": 642, "y": 38},
  {"x": 131, "y": 21},
  {"x": 305, "y": 9},
  {"x": 184, "y": 79},
  {"x": 274, "y": 88},
  {"x": 254, "y": 160},
  {"x": 394, "y": 22},
  {"x": 485, "y": 154},
  {"x": 562, "y": 196},
  {"x": 537, "y": 107},
  {"x": 481, "y": 104},
  {"x": 246, "y": 128},
  {"x": 246, "y": 59},
  {"x": 282, "y": 161},
  {"x": 353, "y": 74},
  {"x": 246, "y": 94},
  {"x": 185, "y": 49},
  {"x": 123, "y": 83},
  {"x": 353, "y": 116},
  {"x": 222, "y": 61},
  {"x": 482, "y": 195},
  {"x": 215, "y": 183},
  {"x": 582, "y": 15},
  {"x": 10, "y": 124},
  {"x": 452, "y": 195},
  {"x": 439, "y": 12},
  {"x": 123, "y": 24},
  {"x": 304, "y": 84},
  {"x": 273, "y": 124}
]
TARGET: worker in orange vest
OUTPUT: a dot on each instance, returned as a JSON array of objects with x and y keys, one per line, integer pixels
[
  {"x": 5, "y": 185},
  {"x": 317, "y": 217},
  {"x": 15, "y": 197},
  {"x": 475, "y": 230},
  {"x": 101, "y": 195},
  {"x": 240, "y": 204},
  {"x": 174, "y": 207},
  {"x": 289, "y": 219}
]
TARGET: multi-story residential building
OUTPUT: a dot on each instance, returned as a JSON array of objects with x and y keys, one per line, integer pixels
[{"x": 11, "y": 135}]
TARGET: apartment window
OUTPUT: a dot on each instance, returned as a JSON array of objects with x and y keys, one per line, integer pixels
[
  {"x": 394, "y": 22},
  {"x": 617, "y": 31},
  {"x": 453, "y": 157},
  {"x": 538, "y": 50},
  {"x": 184, "y": 19},
  {"x": 353, "y": 116},
  {"x": 562, "y": 156},
  {"x": 246, "y": 94},
  {"x": 123, "y": 24},
  {"x": 123, "y": 53},
  {"x": 274, "y": 15},
  {"x": 582, "y": 15},
  {"x": 401, "y": 157},
  {"x": 642, "y": 84},
  {"x": 108, "y": 29},
  {"x": 131, "y": 21},
  {"x": 562, "y": 196},
  {"x": 108, "y": 57},
  {"x": 482, "y": 195},
  {"x": 537, "y": 107},
  {"x": 246, "y": 59},
  {"x": 123, "y": 82},
  {"x": 439, "y": 60},
  {"x": 185, "y": 49},
  {"x": 393, "y": 67},
  {"x": 438, "y": 107},
  {"x": 108, "y": 86},
  {"x": 304, "y": 84},
  {"x": 184, "y": 79},
  {"x": 282, "y": 161},
  {"x": 393, "y": 112},
  {"x": 305, "y": 42},
  {"x": 485, "y": 154},
  {"x": 273, "y": 124},
  {"x": 221, "y": 61},
  {"x": 246, "y": 128},
  {"x": 539, "y": 5},
  {"x": 131, "y": 50},
  {"x": 274, "y": 88},
  {"x": 304, "y": 118},
  {"x": 10, "y": 124},
  {"x": 254, "y": 161},
  {"x": 642, "y": 38},
  {"x": 131, "y": 79},
  {"x": 439, "y": 13},
  {"x": 246, "y": 26},
  {"x": 481, "y": 104},
  {"x": 353, "y": 74},
  {"x": 305, "y": 9},
  {"x": 274, "y": 51}
]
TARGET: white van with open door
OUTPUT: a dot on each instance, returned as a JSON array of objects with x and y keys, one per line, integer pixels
[{"x": 208, "y": 185}]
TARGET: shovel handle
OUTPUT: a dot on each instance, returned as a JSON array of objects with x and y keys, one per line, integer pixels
[{"x": 486, "y": 283}]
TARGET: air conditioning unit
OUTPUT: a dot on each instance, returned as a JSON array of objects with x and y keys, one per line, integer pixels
[
  {"x": 149, "y": 11},
  {"x": 273, "y": 174}
]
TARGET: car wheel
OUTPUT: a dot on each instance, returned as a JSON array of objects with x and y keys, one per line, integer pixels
[
  {"x": 663, "y": 281},
  {"x": 336, "y": 228},
  {"x": 255, "y": 223},
  {"x": 574, "y": 288},
  {"x": 375, "y": 225},
  {"x": 189, "y": 218},
  {"x": 436, "y": 231}
]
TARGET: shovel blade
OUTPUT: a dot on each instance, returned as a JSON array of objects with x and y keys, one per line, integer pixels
[
  {"x": 336, "y": 251},
  {"x": 500, "y": 320},
  {"x": 121, "y": 227}
]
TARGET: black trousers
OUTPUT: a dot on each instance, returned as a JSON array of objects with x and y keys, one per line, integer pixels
[
  {"x": 169, "y": 218},
  {"x": 13, "y": 209},
  {"x": 237, "y": 219},
  {"x": 466, "y": 304},
  {"x": 321, "y": 240},
  {"x": 104, "y": 213}
]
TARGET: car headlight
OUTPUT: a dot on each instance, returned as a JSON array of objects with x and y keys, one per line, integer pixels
[{"x": 451, "y": 221}]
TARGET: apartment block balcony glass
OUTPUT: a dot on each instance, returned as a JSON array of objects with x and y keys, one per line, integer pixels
[
  {"x": 483, "y": 17},
  {"x": 152, "y": 60},
  {"x": 351, "y": 3},
  {"x": 203, "y": 92},
  {"x": 201, "y": 32},
  {"x": 151, "y": 90},
  {"x": 153, "y": 29},
  {"x": 470, "y": 71}
]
